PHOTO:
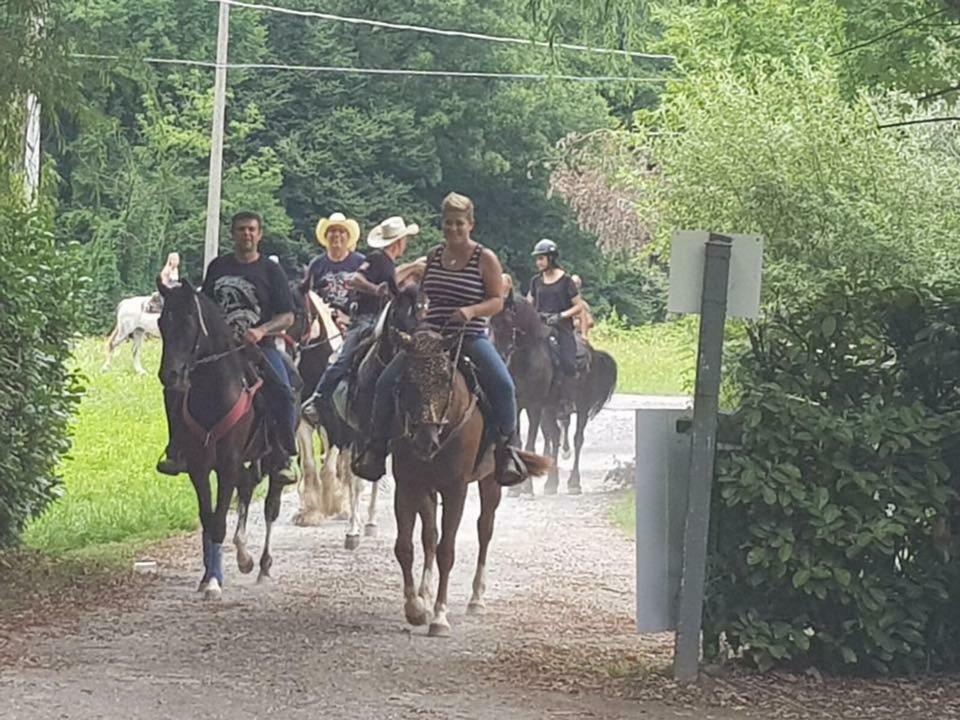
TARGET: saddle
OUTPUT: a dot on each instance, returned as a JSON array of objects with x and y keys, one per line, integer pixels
[{"x": 583, "y": 352}]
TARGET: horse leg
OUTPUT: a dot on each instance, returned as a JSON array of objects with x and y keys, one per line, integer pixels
[
  {"x": 453, "y": 501},
  {"x": 370, "y": 529},
  {"x": 406, "y": 503},
  {"x": 138, "y": 335},
  {"x": 490, "y": 493},
  {"x": 565, "y": 449},
  {"x": 201, "y": 484},
  {"x": 244, "y": 496},
  {"x": 226, "y": 482},
  {"x": 428, "y": 538},
  {"x": 535, "y": 415},
  {"x": 310, "y": 512},
  {"x": 551, "y": 433},
  {"x": 355, "y": 486},
  {"x": 573, "y": 484},
  {"x": 330, "y": 480},
  {"x": 112, "y": 344},
  {"x": 271, "y": 511}
]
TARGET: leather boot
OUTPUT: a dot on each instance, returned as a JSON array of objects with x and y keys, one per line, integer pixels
[
  {"x": 171, "y": 462},
  {"x": 510, "y": 468}
]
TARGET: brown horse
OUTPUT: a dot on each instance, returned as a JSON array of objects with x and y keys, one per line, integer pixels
[
  {"x": 523, "y": 341},
  {"x": 439, "y": 451},
  {"x": 222, "y": 428}
]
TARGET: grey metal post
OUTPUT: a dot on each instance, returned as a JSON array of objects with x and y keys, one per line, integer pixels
[
  {"x": 211, "y": 245},
  {"x": 704, "y": 441}
]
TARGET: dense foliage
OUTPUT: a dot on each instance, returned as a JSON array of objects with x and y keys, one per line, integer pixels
[
  {"x": 832, "y": 519},
  {"x": 301, "y": 145},
  {"x": 38, "y": 310}
]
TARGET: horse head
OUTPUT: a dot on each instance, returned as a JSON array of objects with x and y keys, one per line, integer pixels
[
  {"x": 426, "y": 389},
  {"x": 191, "y": 326},
  {"x": 408, "y": 308}
]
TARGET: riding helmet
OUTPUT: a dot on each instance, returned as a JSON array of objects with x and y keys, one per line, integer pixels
[{"x": 546, "y": 247}]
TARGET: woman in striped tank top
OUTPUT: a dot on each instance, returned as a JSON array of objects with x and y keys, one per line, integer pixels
[{"x": 463, "y": 282}]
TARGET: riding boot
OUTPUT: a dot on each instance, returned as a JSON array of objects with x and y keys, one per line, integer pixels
[
  {"x": 510, "y": 468},
  {"x": 171, "y": 462},
  {"x": 371, "y": 463},
  {"x": 287, "y": 472}
]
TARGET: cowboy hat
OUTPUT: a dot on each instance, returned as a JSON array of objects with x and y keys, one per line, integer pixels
[
  {"x": 338, "y": 220},
  {"x": 389, "y": 231}
]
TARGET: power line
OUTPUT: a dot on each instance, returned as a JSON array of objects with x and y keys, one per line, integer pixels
[
  {"x": 333, "y": 69},
  {"x": 438, "y": 31}
]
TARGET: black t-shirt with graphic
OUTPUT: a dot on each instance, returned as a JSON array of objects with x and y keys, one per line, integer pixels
[
  {"x": 249, "y": 294},
  {"x": 329, "y": 279},
  {"x": 554, "y": 298},
  {"x": 377, "y": 268}
]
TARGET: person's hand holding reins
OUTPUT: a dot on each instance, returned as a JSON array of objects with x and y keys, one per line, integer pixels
[
  {"x": 254, "y": 335},
  {"x": 461, "y": 316}
]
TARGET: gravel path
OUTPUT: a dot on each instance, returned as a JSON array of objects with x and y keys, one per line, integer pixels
[{"x": 327, "y": 639}]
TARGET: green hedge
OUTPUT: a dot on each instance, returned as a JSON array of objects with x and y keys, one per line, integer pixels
[
  {"x": 830, "y": 541},
  {"x": 39, "y": 309}
]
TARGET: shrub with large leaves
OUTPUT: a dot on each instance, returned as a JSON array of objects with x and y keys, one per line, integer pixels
[
  {"x": 830, "y": 542},
  {"x": 38, "y": 390}
]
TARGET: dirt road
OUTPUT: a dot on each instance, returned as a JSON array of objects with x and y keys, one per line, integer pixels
[{"x": 328, "y": 639}]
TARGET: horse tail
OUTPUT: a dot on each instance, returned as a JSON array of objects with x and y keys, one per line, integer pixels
[
  {"x": 604, "y": 371},
  {"x": 537, "y": 465}
]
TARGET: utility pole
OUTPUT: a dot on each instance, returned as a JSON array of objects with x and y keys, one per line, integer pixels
[
  {"x": 211, "y": 246},
  {"x": 31, "y": 136}
]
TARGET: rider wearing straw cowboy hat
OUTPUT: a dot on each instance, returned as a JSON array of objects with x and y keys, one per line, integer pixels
[
  {"x": 374, "y": 281},
  {"x": 329, "y": 274}
]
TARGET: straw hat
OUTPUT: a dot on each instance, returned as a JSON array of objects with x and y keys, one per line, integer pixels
[
  {"x": 339, "y": 220},
  {"x": 391, "y": 230}
]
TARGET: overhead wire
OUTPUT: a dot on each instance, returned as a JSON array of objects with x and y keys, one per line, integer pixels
[
  {"x": 439, "y": 31},
  {"x": 411, "y": 72}
]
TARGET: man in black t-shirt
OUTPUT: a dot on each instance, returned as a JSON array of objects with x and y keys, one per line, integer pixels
[
  {"x": 255, "y": 299},
  {"x": 371, "y": 285}
]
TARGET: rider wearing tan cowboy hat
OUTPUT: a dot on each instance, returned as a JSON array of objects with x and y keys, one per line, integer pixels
[
  {"x": 329, "y": 274},
  {"x": 374, "y": 281}
]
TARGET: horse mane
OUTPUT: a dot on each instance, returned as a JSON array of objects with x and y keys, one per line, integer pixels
[
  {"x": 181, "y": 300},
  {"x": 526, "y": 317}
]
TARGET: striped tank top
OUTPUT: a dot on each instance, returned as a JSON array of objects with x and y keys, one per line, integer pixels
[{"x": 447, "y": 290}]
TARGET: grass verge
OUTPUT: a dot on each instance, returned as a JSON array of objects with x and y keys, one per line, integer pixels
[
  {"x": 652, "y": 359},
  {"x": 111, "y": 491}
]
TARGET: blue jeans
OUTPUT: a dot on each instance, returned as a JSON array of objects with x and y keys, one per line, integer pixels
[
  {"x": 340, "y": 367},
  {"x": 284, "y": 408},
  {"x": 492, "y": 374}
]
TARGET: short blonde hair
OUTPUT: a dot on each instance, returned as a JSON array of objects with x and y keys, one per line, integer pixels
[{"x": 455, "y": 202}]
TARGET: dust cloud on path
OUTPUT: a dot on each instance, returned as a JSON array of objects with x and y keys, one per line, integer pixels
[{"x": 327, "y": 639}]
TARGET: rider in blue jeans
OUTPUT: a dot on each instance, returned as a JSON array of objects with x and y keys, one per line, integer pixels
[
  {"x": 373, "y": 282},
  {"x": 463, "y": 282},
  {"x": 256, "y": 302}
]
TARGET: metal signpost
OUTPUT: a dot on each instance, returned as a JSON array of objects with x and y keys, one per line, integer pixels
[{"x": 714, "y": 275}]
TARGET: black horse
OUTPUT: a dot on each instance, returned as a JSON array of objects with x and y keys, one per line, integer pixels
[
  {"x": 524, "y": 342},
  {"x": 223, "y": 425}
]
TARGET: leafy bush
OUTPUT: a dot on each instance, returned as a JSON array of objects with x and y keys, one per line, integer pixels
[
  {"x": 38, "y": 392},
  {"x": 830, "y": 541}
]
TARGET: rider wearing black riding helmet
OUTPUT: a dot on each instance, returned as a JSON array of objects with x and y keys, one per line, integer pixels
[{"x": 557, "y": 298}]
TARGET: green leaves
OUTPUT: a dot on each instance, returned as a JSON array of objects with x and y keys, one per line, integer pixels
[{"x": 824, "y": 515}]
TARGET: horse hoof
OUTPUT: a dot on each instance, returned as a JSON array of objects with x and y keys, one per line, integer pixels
[
  {"x": 416, "y": 613},
  {"x": 565, "y": 453},
  {"x": 514, "y": 492},
  {"x": 264, "y": 578},
  {"x": 476, "y": 607},
  {"x": 213, "y": 591},
  {"x": 439, "y": 630},
  {"x": 550, "y": 490},
  {"x": 308, "y": 519},
  {"x": 370, "y": 530},
  {"x": 351, "y": 542},
  {"x": 575, "y": 490},
  {"x": 202, "y": 587},
  {"x": 245, "y": 565}
]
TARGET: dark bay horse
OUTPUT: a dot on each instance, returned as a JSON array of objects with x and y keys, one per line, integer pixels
[
  {"x": 222, "y": 426},
  {"x": 438, "y": 453},
  {"x": 523, "y": 341}
]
